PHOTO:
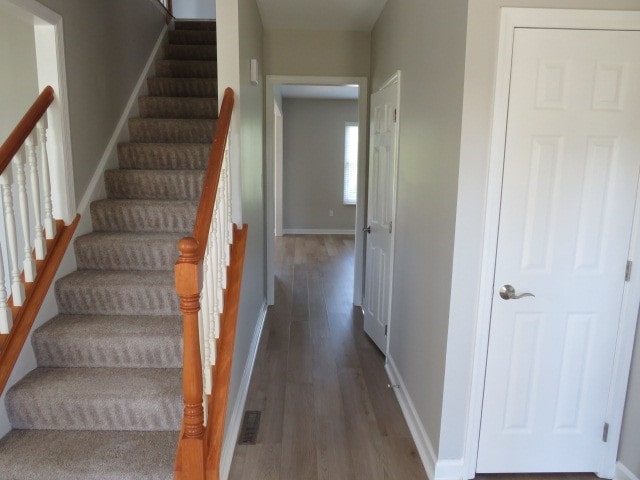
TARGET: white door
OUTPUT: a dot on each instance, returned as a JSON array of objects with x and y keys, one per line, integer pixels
[
  {"x": 383, "y": 155},
  {"x": 571, "y": 167}
]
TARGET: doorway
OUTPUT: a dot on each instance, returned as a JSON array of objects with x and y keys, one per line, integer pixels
[{"x": 275, "y": 173}]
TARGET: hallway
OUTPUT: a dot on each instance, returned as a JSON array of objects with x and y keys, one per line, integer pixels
[{"x": 319, "y": 382}]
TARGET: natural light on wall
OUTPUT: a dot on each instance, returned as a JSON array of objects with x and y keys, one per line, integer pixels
[{"x": 350, "y": 164}]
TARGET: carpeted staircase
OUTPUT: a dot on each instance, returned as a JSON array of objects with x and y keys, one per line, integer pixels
[{"x": 106, "y": 399}]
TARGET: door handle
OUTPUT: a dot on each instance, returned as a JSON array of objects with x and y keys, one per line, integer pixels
[
  {"x": 367, "y": 229},
  {"x": 507, "y": 292}
]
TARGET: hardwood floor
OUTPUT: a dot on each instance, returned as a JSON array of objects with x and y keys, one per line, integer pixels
[{"x": 319, "y": 381}]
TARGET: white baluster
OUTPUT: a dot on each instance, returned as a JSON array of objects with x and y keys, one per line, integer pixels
[
  {"x": 6, "y": 318},
  {"x": 49, "y": 222},
  {"x": 228, "y": 193},
  {"x": 213, "y": 314},
  {"x": 28, "y": 264},
  {"x": 17, "y": 287},
  {"x": 39, "y": 242},
  {"x": 220, "y": 267},
  {"x": 206, "y": 327}
]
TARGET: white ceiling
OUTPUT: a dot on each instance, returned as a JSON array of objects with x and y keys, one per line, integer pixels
[
  {"x": 344, "y": 92},
  {"x": 347, "y": 15}
]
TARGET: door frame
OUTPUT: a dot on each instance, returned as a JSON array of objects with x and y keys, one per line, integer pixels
[
  {"x": 272, "y": 94},
  {"x": 512, "y": 18}
]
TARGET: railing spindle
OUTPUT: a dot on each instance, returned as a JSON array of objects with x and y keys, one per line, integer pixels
[
  {"x": 17, "y": 287},
  {"x": 39, "y": 243},
  {"x": 49, "y": 221},
  {"x": 28, "y": 263},
  {"x": 6, "y": 317}
]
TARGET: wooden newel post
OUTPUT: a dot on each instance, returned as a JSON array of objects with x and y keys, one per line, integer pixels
[{"x": 188, "y": 285}]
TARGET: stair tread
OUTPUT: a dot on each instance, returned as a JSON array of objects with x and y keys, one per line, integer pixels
[
  {"x": 183, "y": 87},
  {"x": 153, "y": 106},
  {"x": 154, "y": 184},
  {"x": 127, "y": 250},
  {"x": 189, "y": 52},
  {"x": 117, "y": 292},
  {"x": 163, "y": 156},
  {"x": 97, "y": 399},
  {"x": 128, "y": 215},
  {"x": 192, "y": 37},
  {"x": 171, "y": 130},
  {"x": 194, "y": 69},
  {"x": 129, "y": 341},
  {"x": 89, "y": 455},
  {"x": 195, "y": 25}
]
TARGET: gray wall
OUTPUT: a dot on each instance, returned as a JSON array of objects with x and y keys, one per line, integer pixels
[
  {"x": 194, "y": 9},
  {"x": 106, "y": 47},
  {"x": 480, "y": 71},
  {"x": 629, "y": 453},
  {"x": 425, "y": 39},
  {"x": 313, "y": 164},
  {"x": 324, "y": 53},
  {"x": 250, "y": 112},
  {"x": 18, "y": 75}
]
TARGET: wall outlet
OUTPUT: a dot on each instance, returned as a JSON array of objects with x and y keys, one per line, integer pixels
[{"x": 331, "y": 213}]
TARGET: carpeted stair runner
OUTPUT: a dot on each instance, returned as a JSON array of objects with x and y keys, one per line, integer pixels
[{"x": 106, "y": 399}]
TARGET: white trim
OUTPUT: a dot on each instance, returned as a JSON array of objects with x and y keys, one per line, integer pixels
[
  {"x": 273, "y": 83},
  {"x": 96, "y": 189},
  {"x": 512, "y": 18},
  {"x": 419, "y": 434},
  {"x": 317, "y": 231},
  {"x": 231, "y": 437},
  {"x": 449, "y": 469},
  {"x": 623, "y": 473}
]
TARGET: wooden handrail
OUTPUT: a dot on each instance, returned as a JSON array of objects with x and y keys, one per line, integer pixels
[
  {"x": 212, "y": 178},
  {"x": 25, "y": 126}
]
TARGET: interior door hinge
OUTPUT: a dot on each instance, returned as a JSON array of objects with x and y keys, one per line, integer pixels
[
  {"x": 390, "y": 227},
  {"x": 395, "y": 115},
  {"x": 386, "y": 330},
  {"x": 627, "y": 272},
  {"x": 605, "y": 433}
]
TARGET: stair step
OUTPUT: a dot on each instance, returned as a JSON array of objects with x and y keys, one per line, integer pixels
[
  {"x": 182, "y": 87},
  {"x": 160, "y": 130},
  {"x": 164, "y": 156},
  {"x": 117, "y": 292},
  {"x": 195, "y": 25},
  {"x": 127, "y": 251},
  {"x": 141, "y": 399},
  {"x": 154, "y": 184},
  {"x": 87, "y": 455},
  {"x": 178, "y": 107},
  {"x": 192, "y": 37},
  {"x": 143, "y": 216},
  {"x": 186, "y": 68},
  {"x": 82, "y": 341},
  {"x": 189, "y": 52}
]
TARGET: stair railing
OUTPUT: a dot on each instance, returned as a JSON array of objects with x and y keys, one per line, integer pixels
[
  {"x": 208, "y": 276},
  {"x": 167, "y": 5},
  {"x": 33, "y": 243}
]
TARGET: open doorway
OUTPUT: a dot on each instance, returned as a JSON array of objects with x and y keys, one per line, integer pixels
[{"x": 342, "y": 214}]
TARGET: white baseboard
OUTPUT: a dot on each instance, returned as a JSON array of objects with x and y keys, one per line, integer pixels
[
  {"x": 231, "y": 437},
  {"x": 317, "y": 231},
  {"x": 623, "y": 473},
  {"x": 96, "y": 189},
  {"x": 420, "y": 437},
  {"x": 449, "y": 470}
]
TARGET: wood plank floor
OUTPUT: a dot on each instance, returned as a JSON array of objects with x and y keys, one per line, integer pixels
[{"x": 320, "y": 383}]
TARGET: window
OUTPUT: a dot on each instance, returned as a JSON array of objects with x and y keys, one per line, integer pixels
[{"x": 350, "y": 164}]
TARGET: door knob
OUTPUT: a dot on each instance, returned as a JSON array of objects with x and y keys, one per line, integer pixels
[
  {"x": 507, "y": 292},
  {"x": 367, "y": 229}
]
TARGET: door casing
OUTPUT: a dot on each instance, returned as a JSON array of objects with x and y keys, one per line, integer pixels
[{"x": 512, "y": 18}]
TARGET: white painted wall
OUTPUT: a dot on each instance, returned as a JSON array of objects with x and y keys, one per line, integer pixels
[
  {"x": 425, "y": 39},
  {"x": 313, "y": 164},
  {"x": 201, "y": 9},
  {"x": 480, "y": 71},
  {"x": 18, "y": 75}
]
